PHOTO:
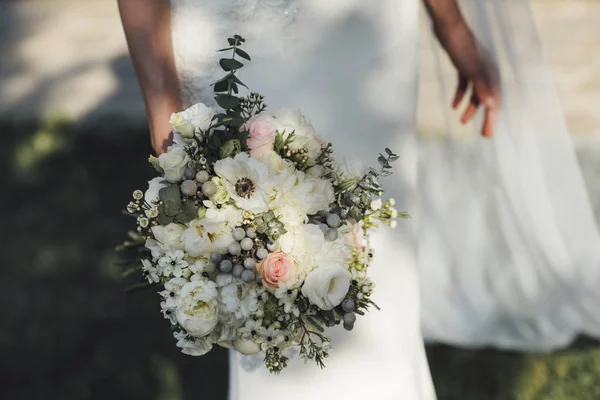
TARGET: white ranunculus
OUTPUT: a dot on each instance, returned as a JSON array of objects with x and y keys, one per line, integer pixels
[
  {"x": 174, "y": 162},
  {"x": 154, "y": 187},
  {"x": 338, "y": 252},
  {"x": 169, "y": 235},
  {"x": 198, "y": 308},
  {"x": 198, "y": 116},
  {"x": 245, "y": 179},
  {"x": 326, "y": 286},
  {"x": 247, "y": 347}
]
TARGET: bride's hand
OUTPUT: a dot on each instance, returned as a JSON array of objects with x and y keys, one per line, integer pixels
[{"x": 476, "y": 72}]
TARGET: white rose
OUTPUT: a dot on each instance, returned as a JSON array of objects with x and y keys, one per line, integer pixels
[
  {"x": 326, "y": 286},
  {"x": 154, "y": 187},
  {"x": 169, "y": 235},
  {"x": 198, "y": 116},
  {"x": 246, "y": 347},
  {"x": 197, "y": 309},
  {"x": 174, "y": 162}
]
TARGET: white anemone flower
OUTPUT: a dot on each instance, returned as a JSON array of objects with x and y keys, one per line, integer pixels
[{"x": 245, "y": 179}]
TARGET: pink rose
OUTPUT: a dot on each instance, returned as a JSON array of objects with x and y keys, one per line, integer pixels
[
  {"x": 261, "y": 129},
  {"x": 278, "y": 268},
  {"x": 356, "y": 236}
]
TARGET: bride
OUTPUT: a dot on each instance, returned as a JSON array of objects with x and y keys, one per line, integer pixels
[{"x": 490, "y": 235}]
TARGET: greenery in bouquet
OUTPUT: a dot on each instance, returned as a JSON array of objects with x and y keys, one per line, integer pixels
[{"x": 256, "y": 238}]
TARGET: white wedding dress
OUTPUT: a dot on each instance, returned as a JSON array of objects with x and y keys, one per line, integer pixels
[
  {"x": 352, "y": 69},
  {"x": 508, "y": 246}
]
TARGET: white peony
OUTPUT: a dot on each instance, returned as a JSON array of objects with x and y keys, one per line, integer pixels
[
  {"x": 197, "y": 309},
  {"x": 245, "y": 179},
  {"x": 326, "y": 286},
  {"x": 174, "y": 162},
  {"x": 197, "y": 241},
  {"x": 169, "y": 235},
  {"x": 198, "y": 116},
  {"x": 314, "y": 194},
  {"x": 154, "y": 187}
]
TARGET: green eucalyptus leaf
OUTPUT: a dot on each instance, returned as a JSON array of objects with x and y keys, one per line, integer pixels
[
  {"x": 388, "y": 151},
  {"x": 170, "y": 193},
  {"x": 236, "y": 80},
  {"x": 230, "y": 64},
  {"x": 394, "y": 157},
  {"x": 172, "y": 208},
  {"x": 163, "y": 219},
  {"x": 225, "y": 49},
  {"x": 381, "y": 160},
  {"x": 228, "y": 101},
  {"x": 222, "y": 85},
  {"x": 242, "y": 54}
]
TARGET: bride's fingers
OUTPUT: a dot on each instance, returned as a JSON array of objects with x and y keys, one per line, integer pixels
[
  {"x": 463, "y": 85},
  {"x": 470, "y": 111},
  {"x": 489, "y": 123}
]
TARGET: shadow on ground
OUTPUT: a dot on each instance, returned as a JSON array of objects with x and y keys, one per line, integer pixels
[{"x": 68, "y": 330}]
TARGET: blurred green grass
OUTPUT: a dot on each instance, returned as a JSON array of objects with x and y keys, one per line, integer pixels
[{"x": 69, "y": 331}]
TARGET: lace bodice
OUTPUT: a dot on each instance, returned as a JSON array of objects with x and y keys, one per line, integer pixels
[{"x": 200, "y": 28}]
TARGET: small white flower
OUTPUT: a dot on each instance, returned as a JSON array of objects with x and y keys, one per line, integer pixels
[
  {"x": 150, "y": 271},
  {"x": 250, "y": 330},
  {"x": 393, "y": 224},
  {"x": 143, "y": 222},
  {"x": 376, "y": 204},
  {"x": 168, "y": 312},
  {"x": 138, "y": 194},
  {"x": 287, "y": 297},
  {"x": 152, "y": 213},
  {"x": 173, "y": 263},
  {"x": 270, "y": 337},
  {"x": 132, "y": 208}
]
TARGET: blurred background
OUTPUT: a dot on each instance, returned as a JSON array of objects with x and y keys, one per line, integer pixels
[{"x": 73, "y": 141}]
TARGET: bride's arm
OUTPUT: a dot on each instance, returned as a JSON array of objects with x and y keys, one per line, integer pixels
[
  {"x": 474, "y": 68},
  {"x": 147, "y": 25}
]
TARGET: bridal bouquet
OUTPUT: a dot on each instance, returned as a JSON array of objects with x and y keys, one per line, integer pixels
[{"x": 255, "y": 237}]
